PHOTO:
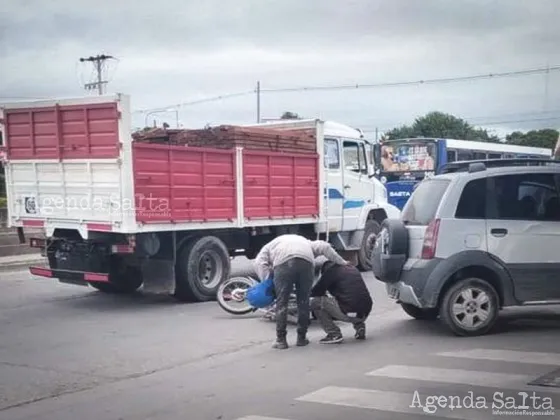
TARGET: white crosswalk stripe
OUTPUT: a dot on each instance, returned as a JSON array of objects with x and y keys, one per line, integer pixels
[
  {"x": 458, "y": 376},
  {"x": 409, "y": 402},
  {"x": 396, "y": 402},
  {"x": 533, "y": 358},
  {"x": 260, "y": 418}
]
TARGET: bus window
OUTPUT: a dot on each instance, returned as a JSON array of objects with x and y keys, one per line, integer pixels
[
  {"x": 451, "y": 155},
  {"x": 494, "y": 155},
  {"x": 479, "y": 155},
  {"x": 464, "y": 155}
]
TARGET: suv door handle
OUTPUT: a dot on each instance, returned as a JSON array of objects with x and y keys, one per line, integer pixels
[
  {"x": 499, "y": 232},
  {"x": 346, "y": 187}
]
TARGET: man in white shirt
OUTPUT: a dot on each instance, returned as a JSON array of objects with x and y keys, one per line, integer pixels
[{"x": 290, "y": 260}]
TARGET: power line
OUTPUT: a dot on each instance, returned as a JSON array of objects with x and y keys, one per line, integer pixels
[
  {"x": 258, "y": 90},
  {"x": 370, "y": 129},
  {"x": 199, "y": 101},
  {"x": 517, "y": 73},
  {"x": 492, "y": 118}
]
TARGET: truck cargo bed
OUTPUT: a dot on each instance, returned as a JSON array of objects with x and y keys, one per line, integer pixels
[{"x": 74, "y": 164}]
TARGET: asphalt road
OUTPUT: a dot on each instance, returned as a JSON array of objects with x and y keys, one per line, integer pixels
[{"x": 69, "y": 352}]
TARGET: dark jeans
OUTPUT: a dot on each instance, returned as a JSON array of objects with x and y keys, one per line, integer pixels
[
  {"x": 299, "y": 273},
  {"x": 327, "y": 311}
]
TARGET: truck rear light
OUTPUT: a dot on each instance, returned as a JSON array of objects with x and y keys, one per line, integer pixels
[
  {"x": 430, "y": 240},
  {"x": 96, "y": 277},
  {"x": 38, "y": 271},
  {"x": 122, "y": 249},
  {"x": 37, "y": 242}
]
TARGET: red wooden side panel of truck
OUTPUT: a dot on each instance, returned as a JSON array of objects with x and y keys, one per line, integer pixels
[
  {"x": 88, "y": 131},
  {"x": 280, "y": 185},
  {"x": 183, "y": 184}
]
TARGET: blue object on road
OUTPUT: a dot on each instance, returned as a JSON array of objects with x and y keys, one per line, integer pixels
[{"x": 262, "y": 294}]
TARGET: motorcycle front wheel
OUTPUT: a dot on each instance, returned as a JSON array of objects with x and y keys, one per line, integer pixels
[{"x": 231, "y": 295}]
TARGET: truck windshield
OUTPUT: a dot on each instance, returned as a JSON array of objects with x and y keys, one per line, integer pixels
[{"x": 408, "y": 156}]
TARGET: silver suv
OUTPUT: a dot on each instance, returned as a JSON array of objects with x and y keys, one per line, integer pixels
[{"x": 478, "y": 237}]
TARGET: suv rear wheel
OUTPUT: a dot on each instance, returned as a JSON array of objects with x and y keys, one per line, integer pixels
[
  {"x": 470, "y": 307},
  {"x": 428, "y": 314}
]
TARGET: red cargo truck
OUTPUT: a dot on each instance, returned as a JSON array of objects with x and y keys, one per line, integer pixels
[{"x": 165, "y": 210}]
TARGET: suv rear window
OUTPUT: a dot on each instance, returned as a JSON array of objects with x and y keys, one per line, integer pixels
[{"x": 421, "y": 208}]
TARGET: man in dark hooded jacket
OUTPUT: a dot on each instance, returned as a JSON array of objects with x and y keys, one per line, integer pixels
[{"x": 350, "y": 301}]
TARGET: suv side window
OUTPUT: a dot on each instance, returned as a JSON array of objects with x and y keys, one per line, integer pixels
[
  {"x": 472, "y": 204},
  {"x": 526, "y": 197}
]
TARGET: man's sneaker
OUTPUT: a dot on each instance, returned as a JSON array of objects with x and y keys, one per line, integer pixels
[
  {"x": 302, "y": 341},
  {"x": 360, "y": 333},
  {"x": 331, "y": 339},
  {"x": 280, "y": 345}
]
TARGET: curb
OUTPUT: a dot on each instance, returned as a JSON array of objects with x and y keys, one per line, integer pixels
[{"x": 21, "y": 265}]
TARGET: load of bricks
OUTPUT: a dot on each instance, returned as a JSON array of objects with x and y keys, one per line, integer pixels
[{"x": 228, "y": 137}]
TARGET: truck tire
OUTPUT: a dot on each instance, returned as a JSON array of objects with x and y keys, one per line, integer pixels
[
  {"x": 470, "y": 299},
  {"x": 203, "y": 264},
  {"x": 123, "y": 279},
  {"x": 365, "y": 253},
  {"x": 390, "y": 251},
  {"x": 423, "y": 314}
]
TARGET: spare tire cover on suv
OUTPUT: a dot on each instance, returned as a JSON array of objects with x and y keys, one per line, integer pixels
[{"x": 390, "y": 251}]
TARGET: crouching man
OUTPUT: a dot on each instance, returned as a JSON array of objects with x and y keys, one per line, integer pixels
[{"x": 350, "y": 301}]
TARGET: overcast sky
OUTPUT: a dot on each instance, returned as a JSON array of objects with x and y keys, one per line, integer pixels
[{"x": 175, "y": 51}]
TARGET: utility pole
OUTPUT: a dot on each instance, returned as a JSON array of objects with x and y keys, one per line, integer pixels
[
  {"x": 258, "y": 102},
  {"x": 98, "y": 62}
]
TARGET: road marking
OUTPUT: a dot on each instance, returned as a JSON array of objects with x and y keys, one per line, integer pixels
[
  {"x": 396, "y": 402},
  {"x": 460, "y": 376},
  {"x": 260, "y": 418},
  {"x": 528, "y": 357}
]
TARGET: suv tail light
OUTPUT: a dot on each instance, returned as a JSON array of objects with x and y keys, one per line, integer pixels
[{"x": 430, "y": 240}]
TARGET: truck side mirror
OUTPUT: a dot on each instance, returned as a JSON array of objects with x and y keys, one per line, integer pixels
[{"x": 376, "y": 160}]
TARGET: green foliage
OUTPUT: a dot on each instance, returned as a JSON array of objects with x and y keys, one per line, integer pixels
[
  {"x": 536, "y": 138},
  {"x": 3, "y": 202},
  {"x": 440, "y": 125}
]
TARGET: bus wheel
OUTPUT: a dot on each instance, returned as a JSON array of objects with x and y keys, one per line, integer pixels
[{"x": 371, "y": 230}]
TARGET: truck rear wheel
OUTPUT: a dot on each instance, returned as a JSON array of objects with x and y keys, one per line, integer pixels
[
  {"x": 365, "y": 253},
  {"x": 202, "y": 265}
]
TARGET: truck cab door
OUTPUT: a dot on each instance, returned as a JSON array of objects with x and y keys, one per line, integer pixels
[
  {"x": 356, "y": 184},
  {"x": 334, "y": 191}
]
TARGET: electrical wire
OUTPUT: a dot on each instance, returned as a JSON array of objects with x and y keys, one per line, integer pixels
[
  {"x": 518, "y": 73},
  {"x": 199, "y": 101}
]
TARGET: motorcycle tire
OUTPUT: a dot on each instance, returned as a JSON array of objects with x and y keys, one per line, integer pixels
[{"x": 231, "y": 306}]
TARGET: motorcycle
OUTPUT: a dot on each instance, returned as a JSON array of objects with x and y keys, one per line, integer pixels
[{"x": 231, "y": 298}]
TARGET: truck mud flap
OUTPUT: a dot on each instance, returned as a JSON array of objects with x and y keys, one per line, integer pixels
[
  {"x": 69, "y": 276},
  {"x": 158, "y": 276}
]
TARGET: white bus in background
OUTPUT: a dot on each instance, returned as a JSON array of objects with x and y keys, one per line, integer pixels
[{"x": 405, "y": 162}]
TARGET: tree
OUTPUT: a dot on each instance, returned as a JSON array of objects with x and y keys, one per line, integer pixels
[
  {"x": 441, "y": 125},
  {"x": 546, "y": 138},
  {"x": 288, "y": 115}
]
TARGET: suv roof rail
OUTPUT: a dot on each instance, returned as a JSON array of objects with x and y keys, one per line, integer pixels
[{"x": 481, "y": 165}]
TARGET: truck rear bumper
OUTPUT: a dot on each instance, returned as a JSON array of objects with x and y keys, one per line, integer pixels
[{"x": 70, "y": 276}]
